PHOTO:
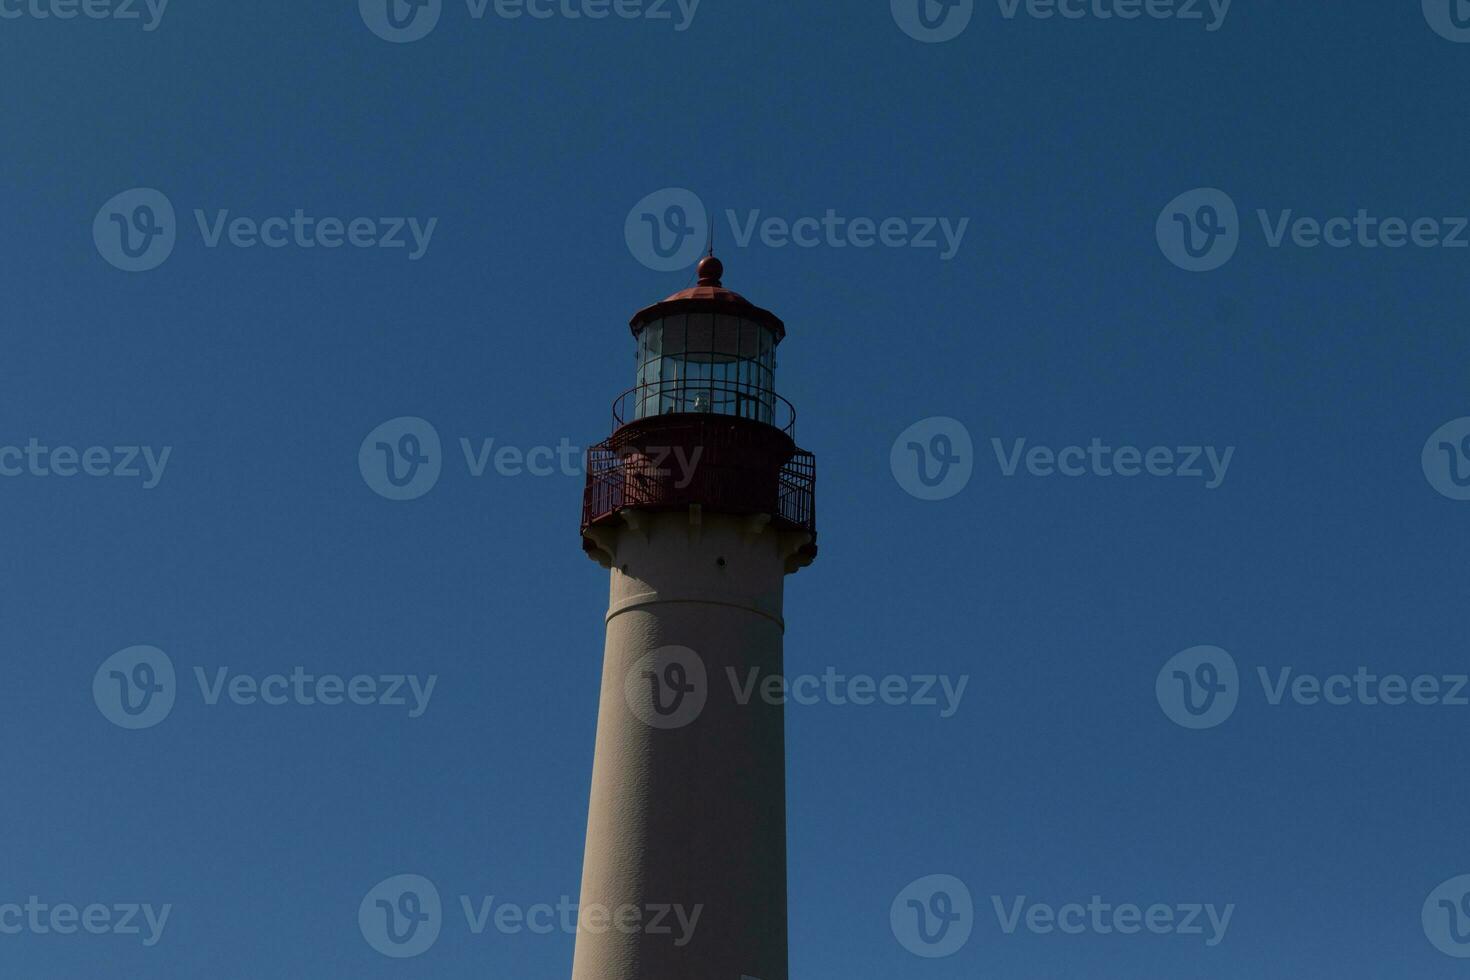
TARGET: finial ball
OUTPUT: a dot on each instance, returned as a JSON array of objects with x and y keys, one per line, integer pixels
[{"x": 710, "y": 271}]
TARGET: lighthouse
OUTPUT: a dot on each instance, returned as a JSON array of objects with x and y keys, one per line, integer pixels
[{"x": 699, "y": 504}]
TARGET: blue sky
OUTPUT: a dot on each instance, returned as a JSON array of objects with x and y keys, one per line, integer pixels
[{"x": 1060, "y": 318}]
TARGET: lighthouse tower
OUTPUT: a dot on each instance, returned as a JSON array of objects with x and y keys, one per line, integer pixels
[{"x": 700, "y": 503}]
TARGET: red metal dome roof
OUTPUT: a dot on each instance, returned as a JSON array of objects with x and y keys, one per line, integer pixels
[{"x": 709, "y": 296}]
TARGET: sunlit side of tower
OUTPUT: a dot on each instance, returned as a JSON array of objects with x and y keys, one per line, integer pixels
[{"x": 700, "y": 504}]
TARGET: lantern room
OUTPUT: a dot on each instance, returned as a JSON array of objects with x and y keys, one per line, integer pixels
[
  {"x": 707, "y": 350},
  {"x": 703, "y": 429}
]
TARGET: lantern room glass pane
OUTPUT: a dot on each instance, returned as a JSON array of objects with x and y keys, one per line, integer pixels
[
  {"x": 673, "y": 331},
  {"x": 650, "y": 341},
  {"x": 750, "y": 335},
  {"x": 701, "y": 333},
  {"x": 726, "y": 345}
]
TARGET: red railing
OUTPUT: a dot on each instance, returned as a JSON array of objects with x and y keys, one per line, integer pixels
[{"x": 724, "y": 463}]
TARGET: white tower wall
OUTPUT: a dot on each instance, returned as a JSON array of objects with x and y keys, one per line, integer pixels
[{"x": 689, "y": 812}]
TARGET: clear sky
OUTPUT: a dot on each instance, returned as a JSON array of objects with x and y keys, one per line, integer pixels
[{"x": 1060, "y": 318}]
